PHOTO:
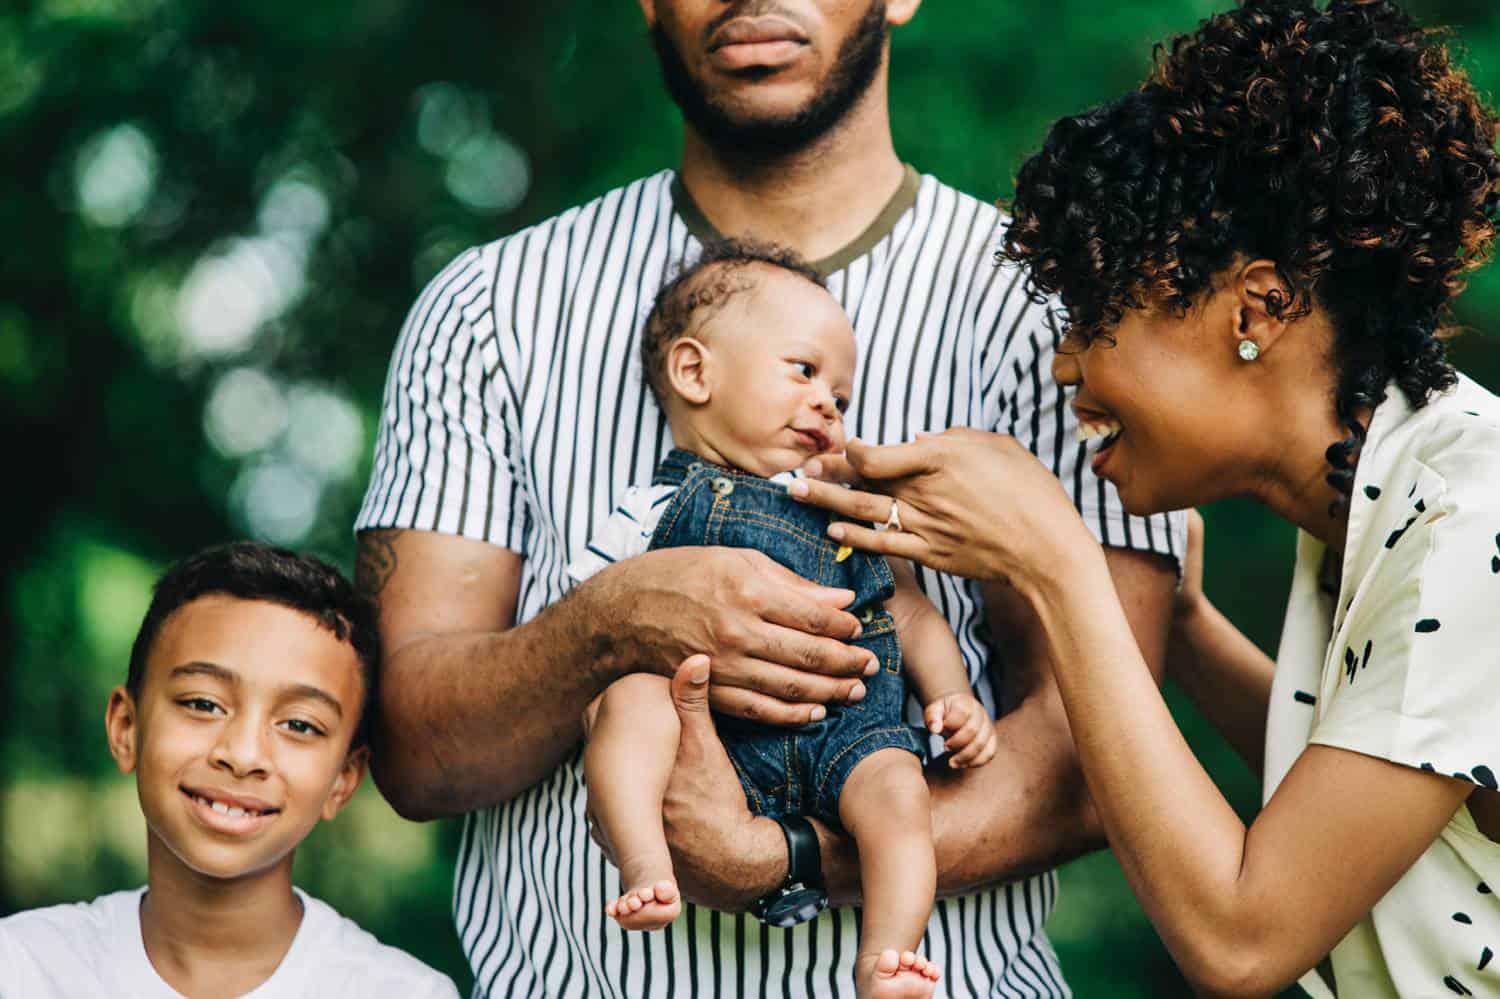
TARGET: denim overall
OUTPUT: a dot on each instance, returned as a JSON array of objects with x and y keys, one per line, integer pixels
[{"x": 794, "y": 771}]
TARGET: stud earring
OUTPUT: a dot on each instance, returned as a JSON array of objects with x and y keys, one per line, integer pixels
[{"x": 1249, "y": 350}]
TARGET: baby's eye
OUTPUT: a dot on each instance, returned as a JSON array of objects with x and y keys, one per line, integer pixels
[
  {"x": 841, "y": 404},
  {"x": 805, "y": 369}
]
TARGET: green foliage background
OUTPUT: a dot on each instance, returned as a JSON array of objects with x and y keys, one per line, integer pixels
[{"x": 217, "y": 214}]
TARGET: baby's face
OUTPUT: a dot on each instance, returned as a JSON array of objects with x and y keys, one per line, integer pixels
[{"x": 782, "y": 371}]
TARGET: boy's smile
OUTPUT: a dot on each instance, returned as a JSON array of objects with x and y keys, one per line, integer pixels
[{"x": 240, "y": 734}]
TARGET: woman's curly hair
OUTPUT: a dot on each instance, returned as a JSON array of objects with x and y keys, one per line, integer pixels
[{"x": 1340, "y": 142}]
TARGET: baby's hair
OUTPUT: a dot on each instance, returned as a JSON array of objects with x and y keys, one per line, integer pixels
[
  {"x": 248, "y": 570},
  {"x": 701, "y": 288}
]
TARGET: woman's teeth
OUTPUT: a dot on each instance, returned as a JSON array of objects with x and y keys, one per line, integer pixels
[{"x": 1090, "y": 431}]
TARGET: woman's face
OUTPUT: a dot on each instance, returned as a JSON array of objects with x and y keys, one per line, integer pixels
[{"x": 1165, "y": 407}]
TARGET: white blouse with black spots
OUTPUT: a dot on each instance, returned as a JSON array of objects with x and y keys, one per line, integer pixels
[{"x": 1403, "y": 663}]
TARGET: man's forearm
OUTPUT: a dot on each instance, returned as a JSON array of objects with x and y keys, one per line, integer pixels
[{"x": 469, "y": 720}]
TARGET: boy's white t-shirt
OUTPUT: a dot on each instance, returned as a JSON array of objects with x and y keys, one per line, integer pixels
[{"x": 95, "y": 949}]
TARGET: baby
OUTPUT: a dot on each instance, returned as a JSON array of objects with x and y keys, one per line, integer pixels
[{"x": 752, "y": 361}]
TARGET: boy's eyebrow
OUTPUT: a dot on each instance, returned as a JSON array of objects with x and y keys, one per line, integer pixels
[
  {"x": 314, "y": 693},
  {"x": 293, "y": 690},
  {"x": 205, "y": 669}
]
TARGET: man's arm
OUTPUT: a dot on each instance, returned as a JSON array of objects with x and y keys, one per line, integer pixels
[
  {"x": 473, "y": 710},
  {"x": 1028, "y": 809}
]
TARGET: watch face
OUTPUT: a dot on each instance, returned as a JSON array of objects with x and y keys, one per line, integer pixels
[{"x": 795, "y": 905}]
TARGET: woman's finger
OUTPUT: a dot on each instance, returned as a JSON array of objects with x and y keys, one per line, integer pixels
[
  {"x": 902, "y": 544},
  {"x": 852, "y": 503},
  {"x": 893, "y": 461},
  {"x": 831, "y": 467}
]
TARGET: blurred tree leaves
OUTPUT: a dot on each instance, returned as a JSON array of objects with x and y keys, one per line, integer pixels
[{"x": 218, "y": 214}]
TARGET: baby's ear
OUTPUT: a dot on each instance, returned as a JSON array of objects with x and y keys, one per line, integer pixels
[
  {"x": 347, "y": 782},
  {"x": 690, "y": 370}
]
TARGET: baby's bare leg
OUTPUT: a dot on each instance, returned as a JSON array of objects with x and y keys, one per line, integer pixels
[
  {"x": 886, "y": 808},
  {"x": 632, "y": 731}
]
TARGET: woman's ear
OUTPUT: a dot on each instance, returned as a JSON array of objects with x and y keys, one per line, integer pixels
[
  {"x": 1261, "y": 301},
  {"x": 122, "y": 728},
  {"x": 690, "y": 370},
  {"x": 347, "y": 782}
]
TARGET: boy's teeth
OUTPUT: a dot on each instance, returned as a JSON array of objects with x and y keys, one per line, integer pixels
[{"x": 224, "y": 809}]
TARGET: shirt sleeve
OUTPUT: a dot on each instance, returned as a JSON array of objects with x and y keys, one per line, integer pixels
[
  {"x": 1417, "y": 657},
  {"x": 446, "y": 457},
  {"x": 626, "y": 533},
  {"x": 1032, "y": 407}
]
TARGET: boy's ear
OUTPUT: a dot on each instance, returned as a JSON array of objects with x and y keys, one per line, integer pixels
[
  {"x": 347, "y": 782},
  {"x": 122, "y": 728},
  {"x": 690, "y": 370}
]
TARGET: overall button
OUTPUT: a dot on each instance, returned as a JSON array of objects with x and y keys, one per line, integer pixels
[
  {"x": 723, "y": 486},
  {"x": 867, "y": 615}
]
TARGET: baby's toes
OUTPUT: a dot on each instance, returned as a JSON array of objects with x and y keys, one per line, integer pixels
[
  {"x": 908, "y": 960},
  {"x": 887, "y": 963}
]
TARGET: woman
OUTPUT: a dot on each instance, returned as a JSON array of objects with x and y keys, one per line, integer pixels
[{"x": 1256, "y": 251}]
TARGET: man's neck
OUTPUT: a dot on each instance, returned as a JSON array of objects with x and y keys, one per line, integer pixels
[
  {"x": 209, "y": 938},
  {"x": 816, "y": 201}
]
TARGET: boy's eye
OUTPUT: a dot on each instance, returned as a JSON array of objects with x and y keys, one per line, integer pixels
[
  {"x": 804, "y": 369},
  {"x": 301, "y": 727},
  {"x": 199, "y": 704}
]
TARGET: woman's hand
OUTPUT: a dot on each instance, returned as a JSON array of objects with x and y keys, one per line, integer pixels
[{"x": 972, "y": 504}]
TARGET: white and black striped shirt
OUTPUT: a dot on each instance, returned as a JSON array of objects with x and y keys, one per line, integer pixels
[{"x": 515, "y": 413}]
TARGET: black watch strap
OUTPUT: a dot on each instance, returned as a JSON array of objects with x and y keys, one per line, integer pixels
[
  {"x": 802, "y": 896},
  {"x": 804, "y": 859}
]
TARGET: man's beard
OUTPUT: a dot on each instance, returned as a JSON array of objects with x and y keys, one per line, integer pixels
[{"x": 853, "y": 71}]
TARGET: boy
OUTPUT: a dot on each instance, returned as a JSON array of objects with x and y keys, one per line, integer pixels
[
  {"x": 244, "y": 718},
  {"x": 752, "y": 361}
]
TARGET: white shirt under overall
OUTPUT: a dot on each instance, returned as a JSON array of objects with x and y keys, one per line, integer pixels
[{"x": 1404, "y": 665}]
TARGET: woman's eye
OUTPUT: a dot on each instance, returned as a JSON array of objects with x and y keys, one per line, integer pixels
[{"x": 804, "y": 369}]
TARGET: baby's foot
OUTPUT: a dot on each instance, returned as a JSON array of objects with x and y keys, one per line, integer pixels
[
  {"x": 648, "y": 908},
  {"x": 903, "y": 976}
]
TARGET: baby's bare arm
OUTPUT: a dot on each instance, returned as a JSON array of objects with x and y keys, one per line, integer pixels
[{"x": 929, "y": 652}]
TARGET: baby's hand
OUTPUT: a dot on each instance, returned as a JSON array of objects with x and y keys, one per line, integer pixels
[{"x": 968, "y": 729}]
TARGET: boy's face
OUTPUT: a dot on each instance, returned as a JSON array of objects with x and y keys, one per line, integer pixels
[
  {"x": 778, "y": 371},
  {"x": 239, "y": 738}
]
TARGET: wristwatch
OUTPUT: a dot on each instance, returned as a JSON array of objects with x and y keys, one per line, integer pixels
[{"x": 802, "y": 896}]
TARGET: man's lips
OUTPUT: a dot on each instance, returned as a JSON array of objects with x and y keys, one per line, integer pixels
[
  {"x": 758, "y": 42},
  {"x": 755, "y": 31}
]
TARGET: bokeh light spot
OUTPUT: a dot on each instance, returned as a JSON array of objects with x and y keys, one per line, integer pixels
[
  {"x": 246, "y": 412},
  {"x": 489, "y": 174},
  {"x": 115, "y": 175}
]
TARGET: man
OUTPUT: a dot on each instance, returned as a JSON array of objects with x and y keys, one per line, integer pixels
[{"x": 515, "y": 416}]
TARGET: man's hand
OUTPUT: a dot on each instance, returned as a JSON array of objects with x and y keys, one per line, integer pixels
[
  {"x": 968, "y": 730},
  {"x": 778, "y": 642},
  {"x": 724, "y": 857}
]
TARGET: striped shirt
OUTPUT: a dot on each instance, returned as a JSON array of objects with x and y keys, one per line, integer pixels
[{"x": 516, "y": 413}]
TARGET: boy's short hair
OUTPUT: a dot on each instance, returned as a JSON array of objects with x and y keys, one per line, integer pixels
[
  {"x": 706, "y": 284},
  {"x": 249, "y": 570}
]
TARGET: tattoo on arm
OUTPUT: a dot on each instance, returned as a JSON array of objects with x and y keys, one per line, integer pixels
[{"x": 376, "y": 561}]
